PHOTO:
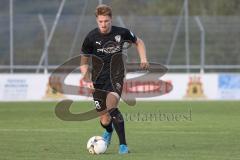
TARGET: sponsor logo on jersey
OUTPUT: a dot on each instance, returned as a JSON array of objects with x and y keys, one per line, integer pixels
[{"x": 110, "y": 48}]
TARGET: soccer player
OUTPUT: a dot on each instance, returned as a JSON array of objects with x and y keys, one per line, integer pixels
[{"x": 103, "y": 46}]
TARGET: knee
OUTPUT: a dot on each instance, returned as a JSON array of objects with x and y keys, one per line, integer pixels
[{"x": 105, "y": 119}]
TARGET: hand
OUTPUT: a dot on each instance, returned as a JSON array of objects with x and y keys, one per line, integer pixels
[
  {"x": 88, "y": 83},
  {"x": 144, "y": 65}
]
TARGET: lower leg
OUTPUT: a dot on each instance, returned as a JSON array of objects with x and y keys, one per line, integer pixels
[
  {"x": 118, "y": 123},
  {"x": 106, "y": 122},
  {"x": 116, "y": 116}
]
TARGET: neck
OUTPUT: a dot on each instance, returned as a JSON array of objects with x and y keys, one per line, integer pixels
[{"x": 108, "y": 31}]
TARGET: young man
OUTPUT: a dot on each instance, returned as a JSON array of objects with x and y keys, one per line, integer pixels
[{"x": 104, "y": 45}]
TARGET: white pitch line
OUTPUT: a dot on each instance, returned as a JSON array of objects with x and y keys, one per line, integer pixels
[
  {"x": 183, "y": 132},
  {"x": 39, "y": 130}
]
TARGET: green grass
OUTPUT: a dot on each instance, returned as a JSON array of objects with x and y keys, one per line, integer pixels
[{"x": 31, "y": 131}]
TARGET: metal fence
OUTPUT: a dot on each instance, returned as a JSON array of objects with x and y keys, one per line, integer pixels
[{"x": 37, "y": 41}]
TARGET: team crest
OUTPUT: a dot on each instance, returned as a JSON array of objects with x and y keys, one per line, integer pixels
[{"x": 118, "y": 38}]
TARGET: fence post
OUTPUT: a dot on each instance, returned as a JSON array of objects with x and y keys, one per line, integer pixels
[
  {"x": 11, "y": 34},
  {"x": 202, "y": 59}
]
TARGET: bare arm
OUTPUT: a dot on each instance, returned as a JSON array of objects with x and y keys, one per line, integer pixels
[
  {"x": 84, "y": 68},
  {"x": 142, "y": 53}
]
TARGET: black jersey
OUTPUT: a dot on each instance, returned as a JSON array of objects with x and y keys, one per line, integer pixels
[{"x": 102, "y": 48}]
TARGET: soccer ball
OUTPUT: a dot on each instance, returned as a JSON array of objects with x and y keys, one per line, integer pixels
[{"x": 96, "y": 145}]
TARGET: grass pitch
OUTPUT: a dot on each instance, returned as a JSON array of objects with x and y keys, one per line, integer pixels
[{"x": 154, "y": 130}]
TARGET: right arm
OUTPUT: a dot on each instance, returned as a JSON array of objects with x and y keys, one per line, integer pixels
[
  {"x": 87, "y": 49},
  {"x": 84, "y": 68}
]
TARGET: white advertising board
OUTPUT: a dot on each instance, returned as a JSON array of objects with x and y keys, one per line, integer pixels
[
  {"x": 22, "y": 87},
  {"x": 229, "y": 86},
  {"x": 35, "y": 87}
]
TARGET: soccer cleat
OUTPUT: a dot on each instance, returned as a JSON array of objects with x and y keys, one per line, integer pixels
[
  {"x": 123, "y": 149},
  {"x": 107, "y": 137}
]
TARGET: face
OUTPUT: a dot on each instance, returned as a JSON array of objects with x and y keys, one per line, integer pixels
[{"x": 104, "y": 23}]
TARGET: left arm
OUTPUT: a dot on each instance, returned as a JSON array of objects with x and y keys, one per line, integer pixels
[{"x": 142, "y": 53}]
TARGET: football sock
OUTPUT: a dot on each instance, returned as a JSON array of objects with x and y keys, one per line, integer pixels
[
  {"x": 118, "y": 122},
  {"x": 108, "y": 127}
]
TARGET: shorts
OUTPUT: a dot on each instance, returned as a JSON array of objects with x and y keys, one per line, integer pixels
[{"x": 102, "y": 90}]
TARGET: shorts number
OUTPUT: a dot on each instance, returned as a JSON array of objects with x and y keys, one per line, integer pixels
[{"x": 97, "y": 105}]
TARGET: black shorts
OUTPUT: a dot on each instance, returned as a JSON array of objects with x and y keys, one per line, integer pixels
[{"x": 102, "y": 90}]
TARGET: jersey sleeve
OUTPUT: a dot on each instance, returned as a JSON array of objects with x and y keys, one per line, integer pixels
[
  {"x": 130, "y": 36},
  {"x": 87, "y": 47}
]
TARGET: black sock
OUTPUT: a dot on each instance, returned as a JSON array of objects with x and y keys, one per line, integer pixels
[
  {"x": 118, "y": 123},
  {"x": 107, "y": 127}
]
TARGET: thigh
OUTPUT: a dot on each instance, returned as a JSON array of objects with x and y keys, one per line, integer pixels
[
  {"x": 107, "y": 95},
  {"x": 114, "y": 95},
  {"x": 112, "y": 100}
]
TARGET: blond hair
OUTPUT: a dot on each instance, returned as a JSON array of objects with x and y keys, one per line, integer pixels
[{"x": 103, "y": 10}]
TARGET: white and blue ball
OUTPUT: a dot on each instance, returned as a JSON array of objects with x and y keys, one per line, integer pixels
[{"x": 96, "y": 145}]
